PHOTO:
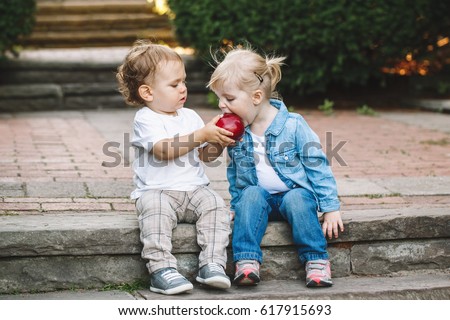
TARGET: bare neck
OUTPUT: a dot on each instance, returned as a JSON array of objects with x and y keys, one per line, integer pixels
[{"x": 263, "y": 119}]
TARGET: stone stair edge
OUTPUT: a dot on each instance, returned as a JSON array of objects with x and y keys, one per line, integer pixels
[
  {"x": 118, "y": 217},
  {"x": 127, "y": 35},
  {"x": 86, "y": 233},
  {"x": 74, "y": 88},
  {"x": 87, "y": 59},
  {"x": 99, "y": 22},
  {"x": 53, "y": 7}
]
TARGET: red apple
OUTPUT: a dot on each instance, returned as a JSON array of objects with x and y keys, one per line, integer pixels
[{"x": 232, "y": 123}]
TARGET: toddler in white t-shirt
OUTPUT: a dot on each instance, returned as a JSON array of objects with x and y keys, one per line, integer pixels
[{"x": 171, "y": 185}]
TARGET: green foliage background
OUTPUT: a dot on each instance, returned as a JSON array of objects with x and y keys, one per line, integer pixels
[
  {"x": 16, "y": 19},
  {"x": 326, "y": 42}
]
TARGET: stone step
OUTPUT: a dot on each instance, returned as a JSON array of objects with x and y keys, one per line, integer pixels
[
  {"x": 74, "y": 24},
  {"x": 106, "y": 21},
  {"x": 46, "y": 7},
  {"x": 415, "y": 285},
  {"x": 405, "y": 286},
  {"x": 67, "y": 249},
  {"x": 94, "y": 38},
  {"x": 87, "y": 96},
  {"x": 60, "y": 97},
  {"x": 78, "y": 66},
  {"x": 67, "y": 82}
]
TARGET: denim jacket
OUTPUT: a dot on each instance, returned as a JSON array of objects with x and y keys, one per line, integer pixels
[{"x": 294, "y": 151}]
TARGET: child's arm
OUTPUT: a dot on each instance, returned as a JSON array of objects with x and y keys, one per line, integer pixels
[
  {"x": 317, "y": 167},
  {"x": 210, "y": 152},
  {"x": 169, "y": 149},
  {"x": 332, "y": 224}
]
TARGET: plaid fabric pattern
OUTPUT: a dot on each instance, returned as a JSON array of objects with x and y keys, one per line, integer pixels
[{"x": 159, "y": 212}]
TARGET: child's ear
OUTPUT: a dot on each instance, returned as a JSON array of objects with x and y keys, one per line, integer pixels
[
  {"x": 145, "y": 92},
  {"x": 257, "y": 97}
]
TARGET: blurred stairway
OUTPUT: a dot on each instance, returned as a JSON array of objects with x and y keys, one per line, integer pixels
[
  {"x": 70, "y": 59},
  {"x": 78, "y": 78},
  {"x": 97, "y": 23}
]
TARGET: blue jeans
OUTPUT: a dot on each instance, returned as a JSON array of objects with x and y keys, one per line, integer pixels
[{"x": 256, "y": 207}]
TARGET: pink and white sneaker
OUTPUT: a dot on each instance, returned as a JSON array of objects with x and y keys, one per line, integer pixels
[
  {"x": 318, "y": 273},
  {"x": 247, "y": 273}
]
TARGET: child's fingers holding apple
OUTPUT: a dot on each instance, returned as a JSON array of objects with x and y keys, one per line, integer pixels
[
  {"x": 216, "y": 134},
  {"x": 233, "y": 123}
]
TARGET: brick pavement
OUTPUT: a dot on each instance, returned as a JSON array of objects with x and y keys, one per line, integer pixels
[
  {"x": 378, "y": 147},
  {"x": 54, "y": 161}
]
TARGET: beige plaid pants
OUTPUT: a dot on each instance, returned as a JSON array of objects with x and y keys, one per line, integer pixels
[{"x": 159, "y": 212}]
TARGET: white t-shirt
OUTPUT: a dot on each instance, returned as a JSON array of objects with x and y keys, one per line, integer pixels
[
  {"x": 267, "y": 177},
  {"x": 184, "y": 173}
]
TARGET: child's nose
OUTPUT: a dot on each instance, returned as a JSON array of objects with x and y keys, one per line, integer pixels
[
  {"x": 222, "y": 105},
  {"x": 224, "y": 109}
]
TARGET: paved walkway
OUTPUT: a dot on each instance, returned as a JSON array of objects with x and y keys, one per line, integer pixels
[{"x": 80, "y": 160}]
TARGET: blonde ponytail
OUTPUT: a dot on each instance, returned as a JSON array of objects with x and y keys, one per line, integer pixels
[{"x": 274, "y": 69}]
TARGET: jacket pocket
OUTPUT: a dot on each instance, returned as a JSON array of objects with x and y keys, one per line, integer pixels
[{"x": 287, "y": 162}]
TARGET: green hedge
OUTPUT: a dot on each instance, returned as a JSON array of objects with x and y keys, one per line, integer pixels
[
  {"x": 327, "y": 42},
  {"x": 16, "y": 19}
]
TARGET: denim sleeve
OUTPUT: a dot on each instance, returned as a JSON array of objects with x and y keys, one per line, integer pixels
[
  {"x": 317, "y": 168},
  {"x": 231, "y": 176}
]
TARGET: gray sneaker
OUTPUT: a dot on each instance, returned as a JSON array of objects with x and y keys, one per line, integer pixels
[
  {"x": 169, "y": 281},
  {"x": 213, "y": 275}
]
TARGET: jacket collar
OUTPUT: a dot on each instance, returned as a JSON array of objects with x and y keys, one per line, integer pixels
[
  {"x": 278, "y": 123},
  {"x": 280, "y": 119}
]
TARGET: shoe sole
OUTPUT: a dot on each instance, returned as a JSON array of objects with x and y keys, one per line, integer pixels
[
  {"x": 250, "y": 280},
  {"x": 180, "y": 289},
  {"x": 216, "y": 282},
  {"x": 313, "y": 284}
]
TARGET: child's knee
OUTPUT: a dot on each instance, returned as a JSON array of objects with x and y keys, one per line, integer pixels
[
  {"x": 252, "y": 194},
  {"x": 300, "y": 197}
]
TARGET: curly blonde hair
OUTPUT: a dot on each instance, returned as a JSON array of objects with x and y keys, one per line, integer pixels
[
  {"x": 243, "y": 67},
  {"x": 139, "y": 67}
]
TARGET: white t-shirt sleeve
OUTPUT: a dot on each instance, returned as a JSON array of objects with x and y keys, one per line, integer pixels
[{"x": 148, "y": 130}]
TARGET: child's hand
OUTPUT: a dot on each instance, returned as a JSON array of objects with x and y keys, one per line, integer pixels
[
  {"x": 332, "y": 221},
  {"x": 215, "y": 134}
]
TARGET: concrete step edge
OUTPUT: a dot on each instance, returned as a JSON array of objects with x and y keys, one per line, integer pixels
[
  {"x": 30, "y": 91},
  {"x": 99, "y": 17},
  {"x": 58, "y": 8},
  {"x": 63, "y": 58},
  {"x": 161, "y": 33},
  {"x": 85, "y": 234},
  {"x": 99, "y": 22}
]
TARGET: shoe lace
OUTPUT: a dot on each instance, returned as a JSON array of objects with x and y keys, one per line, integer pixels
[{"x": 171, "y": 275}]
